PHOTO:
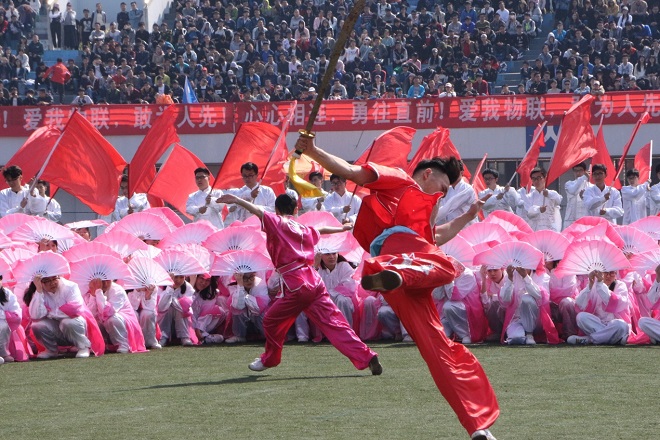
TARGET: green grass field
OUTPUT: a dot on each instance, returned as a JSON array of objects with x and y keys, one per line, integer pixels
[{"x": 208, "y": 393}]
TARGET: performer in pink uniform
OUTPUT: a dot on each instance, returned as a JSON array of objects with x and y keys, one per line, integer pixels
[
  {"x": 291, "y": 247},
  {"x": 394, "y": 223}
]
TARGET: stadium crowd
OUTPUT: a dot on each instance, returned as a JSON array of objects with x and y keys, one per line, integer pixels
[
  {"x": 276, "y": 51},
  {"x": 185, "y": 284}
]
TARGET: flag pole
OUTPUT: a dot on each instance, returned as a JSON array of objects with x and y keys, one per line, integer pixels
[
  {"x": 43, "y": 167},
  {"x": 285, "y": 127},
  {"x": 534, "y": 139}
]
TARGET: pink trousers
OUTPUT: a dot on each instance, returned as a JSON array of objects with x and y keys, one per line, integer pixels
[{"x": 320, "y": 310}]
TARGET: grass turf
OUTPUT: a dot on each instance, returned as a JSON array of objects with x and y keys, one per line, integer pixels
[{"x": 208, "y": 392}]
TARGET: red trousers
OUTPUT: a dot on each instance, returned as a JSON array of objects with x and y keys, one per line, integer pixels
[
  {"x": 456, "y": 372},
  {"x": 322, "y": 312}
]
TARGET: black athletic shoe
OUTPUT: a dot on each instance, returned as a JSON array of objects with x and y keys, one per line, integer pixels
[
  {"x": 381, "y": 281},
  {"x": 375, "y": 366}
]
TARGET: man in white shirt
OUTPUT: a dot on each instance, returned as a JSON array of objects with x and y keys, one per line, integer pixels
[
  {"x": 460, "y": 196},
  {"x": 13, "y": 199},
  {"x": 575, "y": 194},
  {"x": 124, "y": 206},
  {"x": 253, "y": 192},
  {"x": 542, "y": 204},
  {"x": 341, "y": 204},
  {"x": 314, "y": 203},
  {"x": 601, "y": 200},
  {"x": 40, "y": 204},
  {"x": 633, "y": 197},
  {"x": 503, "y": 198},
  {"x": 202, "y": 204},
  {"x": 654, "y": 195}
]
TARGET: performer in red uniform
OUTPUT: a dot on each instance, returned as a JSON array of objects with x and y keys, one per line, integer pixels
[{"x": 394, "y": 224}]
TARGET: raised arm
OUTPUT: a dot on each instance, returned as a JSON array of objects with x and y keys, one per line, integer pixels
[{"x": 250, "y": 207}]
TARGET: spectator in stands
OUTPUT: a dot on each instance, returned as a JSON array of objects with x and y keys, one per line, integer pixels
[{"x": 58, "y": 75}]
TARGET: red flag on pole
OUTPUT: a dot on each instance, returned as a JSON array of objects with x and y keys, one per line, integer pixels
[
  {"x": 32, "y": 154},
  {"x": 160, "y": 136},
  {"x": 437, "y": 143},
  {"x": 576, "y": 139},
  {"x": 478, "y": 183},
  {"x": 602, "y": 156},
  {"x": 253, "y": 142},
  {"x": 643, "y": 162},
  {"x": 86, "y": 166},
  {"x": 391, "y": 148},
  {"x": 175, "y": 179},
  {"x": 531, "y": 159},
  {"x": 642, "y": 120}
]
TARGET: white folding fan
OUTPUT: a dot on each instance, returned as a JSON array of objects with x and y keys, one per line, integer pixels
[
  {"x": 512, "y": 253},
  {"x": 167, "y": 214},
  {"x": 149, "y": 252},
  {"x": 583, "y": 257},
  {"x": 88, "y": 249},
  {"x": 16, "y": 255},
  {"x": 646, "y": 261},
  {"x": 11, "y": 222},
  {"x": 512, "y": 224},
  {"x": 121, "y": 242},
  {"x": 240, "y": 262},
  {"x": 179, "y": 263},
  {"x": 460, "y": 250},
  {"x": 650, "y": 225},
  {"x": 235, "y": 239},
  {"x": 316, "y": 219},
  {"x": 343, "y": 243},
  {"x": 5, "y": 272},
  {"x": 202, "y": 254},
  {"x": 101, "y": 267},
  {"x": 143, "y": 225},
  {"x": 551, "y": 243},
  {"x": 86, "y": 224},
  {"x": 604, "y": 231},
  {"x": 582, "y": 224},
  {"x": 635, "y": 240},
  {"x": 146, "y": 272},
  {"x": 195, "y": 233},
  {"x": 484, "y": 232},
  {"x": 37, "y": 230},
  {"x": 44, "y": 264}
]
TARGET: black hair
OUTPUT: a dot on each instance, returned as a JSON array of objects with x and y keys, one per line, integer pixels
[
  {"x": 12, "y": 172},
  {"x": 202, "y": 170},
  {"x": 250, "y": 166},
  {"x": 315, "y": 174},
  {"x": 343, "y": 179},
  {"x": 599, "y": 167},
  {"x": 449, "y": 166},
  {"x": 582, "y": 165},
  {"x": 124, "y": 178},
  {"x": 211, "y": 291},
  {"x": 285, "y": 204},
  {"x": 535, "y": 170},
  {"x": 29, "y": 292},
  {"x": 632, "y": 172},
  {"x": 490, "y": 171},
  {"x": 4, "y": 297},
  {"x": 340, "y": 258},
  {"x": 657, "y": 169}
]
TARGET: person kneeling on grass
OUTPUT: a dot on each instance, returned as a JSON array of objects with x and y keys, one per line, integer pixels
[{"x": 291, "y": 248}]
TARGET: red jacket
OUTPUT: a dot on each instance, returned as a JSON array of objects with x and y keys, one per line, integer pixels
[{"x": 58, "y": 73}]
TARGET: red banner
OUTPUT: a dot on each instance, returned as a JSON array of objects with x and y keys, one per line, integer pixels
[{"x": 347, "y": 115}]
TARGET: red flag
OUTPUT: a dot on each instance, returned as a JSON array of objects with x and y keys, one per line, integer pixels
[
  {"x": 160, "y": 136},
  {"x": 437, "y": 143},
  {"x": 254, "y": 142},
  {"x": 478, "y": 183},
  {"x": 86, "y": 166},
  {"x": 531, "y": 159},
  {"x": 576, "y": 139},
  {"x": 602, "y": 156},
  {"x": 174, "y": 182},
  {"x": 391, "y": 148},
  {"x": 32, "y": 155},
  {"x": 643, "y": 162},
  {"x": 642, "y": 120}
]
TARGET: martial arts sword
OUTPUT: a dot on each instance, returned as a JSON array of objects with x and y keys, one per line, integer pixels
[{"x": 349, "y": 24}]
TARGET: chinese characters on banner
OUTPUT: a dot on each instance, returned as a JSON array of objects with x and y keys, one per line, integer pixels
[{"x": 348, "y": 115}]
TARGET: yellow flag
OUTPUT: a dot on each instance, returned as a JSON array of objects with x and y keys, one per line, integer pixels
[{"x": 304, "y": 188}]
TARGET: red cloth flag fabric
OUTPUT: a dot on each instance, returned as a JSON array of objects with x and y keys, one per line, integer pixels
[
  {"x": 254, "y": 142},
  {"x": 33, "y": 153},
  {"x": 643, "y": 162},
  {"x": 576, "y": 139},
  {"x": 391, "y": 148},
  {"x": 531, "y": 159},
  {"x": 174, "y": 181},
  {"x": 478, "y": 182},
  {"x": 437, "y": 143},
  {"x": 86, "y": 166},
  {"x": 642, "y": 120},
  {"x": 160, "y": 136},
  {"x": 602, "y": 156}
]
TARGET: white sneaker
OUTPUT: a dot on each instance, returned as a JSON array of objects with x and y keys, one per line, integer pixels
[
  {"x": 529, "y": 339},
  {"x": 123, "y": 350},
  {"x": 407, "y": 338},
  {"x": 466, "y": 340},
  {"x": 155, "y": 346},
  {"x": 8, "y": 359},
  {"x": 577, "y": 340},
  {"x": 48, "y": 354},
  {"x": 235, "y": 340},
  {"x": 83, "y": 353},
  {"x": 483, "y": 434},
  {"x": 257, "y": 365},
  {"x": 214, "y": 339},
  {"x": 2, "y": 361},
  {"x": 186, "y": 342},
  {"x": 303, "y": 339}
]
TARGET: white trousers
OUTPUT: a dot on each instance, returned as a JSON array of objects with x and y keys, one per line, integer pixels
[
  {"x": 69, "y": 331},
  {"x": 369, "y": 319},
  {"x": 345, "y": 306},
  {"x": 454, "y": 319},
  {"x": 173, "y": 321},
  {"x": 525, "y": 321},
  {"x": 651, "y": 327},
  {"x": 147, "y": 320},
  {"x": 614, "y": 332},
  {"x": 114, "y": 330},
  {"x": 391, "y": 322},
  {"x": 209, "y": 323},
  {"x": 5, "y": 336},
  {"x": 239, "y": 324}
]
